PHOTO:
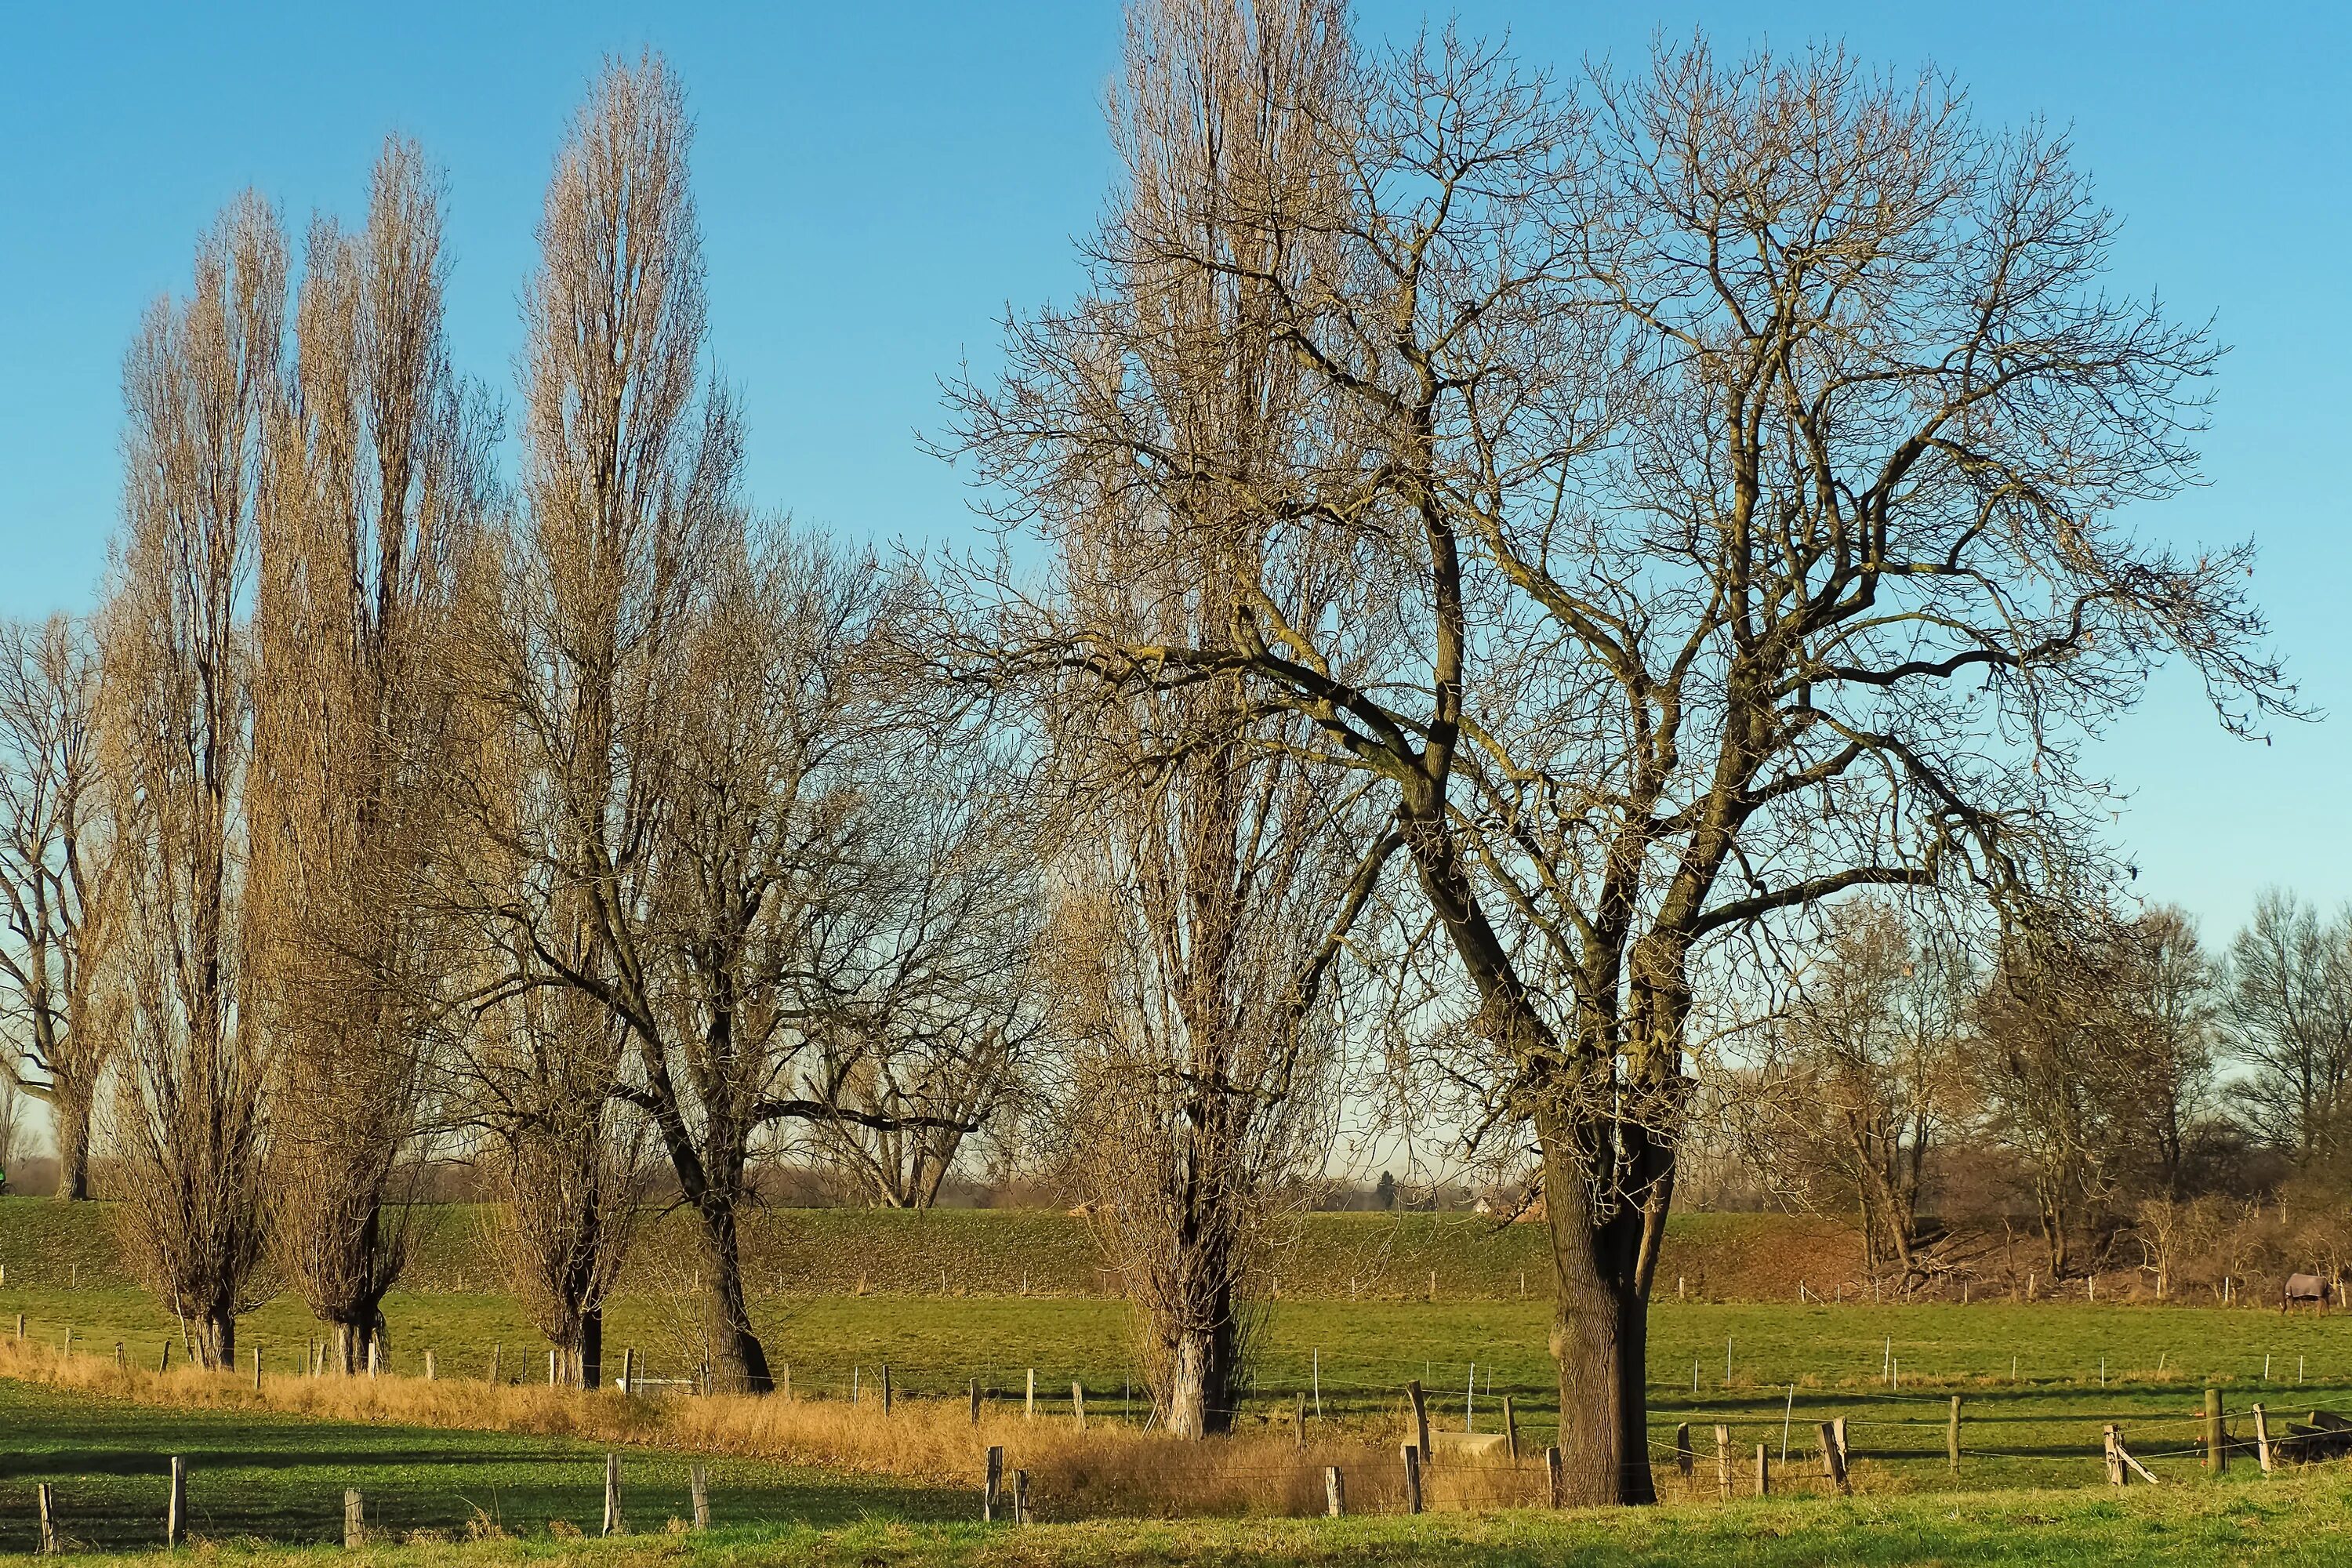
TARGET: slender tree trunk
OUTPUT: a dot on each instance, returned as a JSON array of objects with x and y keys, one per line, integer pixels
[
  {"x": 70, "y": 1109},
  {"x": 742, "y": 1363},
  {"x": 589, "y": 1357}
]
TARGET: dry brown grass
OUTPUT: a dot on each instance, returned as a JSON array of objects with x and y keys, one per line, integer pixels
[{"x": 1111, "y": 1468}]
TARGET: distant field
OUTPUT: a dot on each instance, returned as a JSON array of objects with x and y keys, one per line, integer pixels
[{"x": 1014, "y": 1252}]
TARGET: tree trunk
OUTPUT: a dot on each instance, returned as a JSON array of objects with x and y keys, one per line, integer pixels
[
  {"x": 70, "y": 1111},
  {"x": 588, "y": 1361},
  {"x": 215, "y": 1345},
  {"x": 1204, "y": 1373},
  {"x": 740, "y": 1363},
  {"x": 1600, "y": 1338}
]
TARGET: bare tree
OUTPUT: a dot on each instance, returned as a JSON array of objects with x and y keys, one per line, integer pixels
[
  {"x": 941, "y": 1049},
  {"x": 714, "y": 849},
  {"x": 12, "y": 1124},
  {"x": 2165, "y": 1018},
  {"x": 1870, "y": 1073},
  {"x": 2057, "y": 1083},
  {"x": 1729, "y": 466},
  {"x": 58, "y": 873},
  {"x": 379, "y": 489},
  {"x": 202, "y": 382},
  {"x": 567, "y": 1158},
  {"x": 2286, "y": 1017}
]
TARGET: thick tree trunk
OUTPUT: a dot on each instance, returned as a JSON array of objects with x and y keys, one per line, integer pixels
[
  {"x": 1600, "y": 1338},
  {"x": 215, "y": 1345},
  {"x": 741, "y": 1362},
  {"x": 1204, "y": 1373},
  {"x": 588, "y": 1361}
]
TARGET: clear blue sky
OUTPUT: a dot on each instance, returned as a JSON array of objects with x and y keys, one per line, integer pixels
[{"x": 879, "y": 182}]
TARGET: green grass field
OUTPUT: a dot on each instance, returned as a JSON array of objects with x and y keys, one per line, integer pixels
[
  {"x": 282, "y": 1480},
  {"x": 2037, "y": 1382}
]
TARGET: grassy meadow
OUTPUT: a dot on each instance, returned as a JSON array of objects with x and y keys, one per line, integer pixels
[{"x": 2037, "y": 1382}]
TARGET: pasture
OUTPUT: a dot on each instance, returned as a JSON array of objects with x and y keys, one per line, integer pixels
[{"x": 2038, "y": 1381}]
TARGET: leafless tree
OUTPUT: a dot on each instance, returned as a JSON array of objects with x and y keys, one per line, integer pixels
[
  {"x": 1870, "y": 1071},
  {"x": 202, "y": 384},
  {"x": 1730, "y": 465},
  {"x": 2286, "y": 1017},
  {"x": 58, "y": 876},
  {"x": 12, "y": 1123},
  {"x": 2166, "y": 1017},
  {"x": 1212, "y": 874},
  {"x": 940, "y": 1050},
  {"x": 379, "y": 487},
  {"x": 713, "y": 848},
  {"x": 568, "y": 1161}
]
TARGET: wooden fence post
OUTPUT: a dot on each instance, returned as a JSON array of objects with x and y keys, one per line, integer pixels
[
  {"x": 975, "y": 1402},
  {"x": 612, "y": 1494},
  {"x": 375, "y": 1355},
  {"x": 991, "y": 1488},
  {"x": 1952, "y": 1437},
  {"x": 2116, "y": 1476},
  {"x": 354, "y": 1520},
  {"x": 2262, "y": 1438},
  {"x": 1837, "y": 1429},
  {"x": 2217, "y": 1452},
  {"x": 494, "y": 1348},
  {"x": 1723, "y": 1461},
  {"x": 1763, "y": 1469},
  {"x": 1020, "y": 1496},
  {"x": 698, "y": 1481},
  {"x": 46, "y": 1504},
  {"x": 1299, "y": 1422},
  {"x": 256, "y": 1367},
  {"x": 1833, "y": 1462},
  {"x": 628, "y": 1368},
  {"x": 885, "y": 1388},
  {"x": 1412, "y": 1479},
  {"x": 1078, "y": 1403},
  {"x": 1420, "y": 1414},
  {"x": 1510, "y": 1430},
  {"x": 119, "y": 1362},
  {"x": 1554, "y": 1478},
  {"x": 175, "y": 1511},
  {"x": 1335, "y": 1493},
  {"x": 1030, "y": 1411},
  {"x": 1683, "y": 1457}
]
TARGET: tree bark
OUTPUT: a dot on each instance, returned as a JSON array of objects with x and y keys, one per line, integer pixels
[
  {"x": 215, "y": 1345},
  {"x": 1600, "y": 1338},
  {"x": 70, "y": 1109},
  {"x": 741, "y": 1362}
]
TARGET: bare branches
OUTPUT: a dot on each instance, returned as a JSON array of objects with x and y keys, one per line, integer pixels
[
  {"x": 60, "y": 882},
  {"x": 204, "y": 386},
  {"x": 380, "y": 470}
]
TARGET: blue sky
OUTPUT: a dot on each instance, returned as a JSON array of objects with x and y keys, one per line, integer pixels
[{"x": 879, "y": 182}]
